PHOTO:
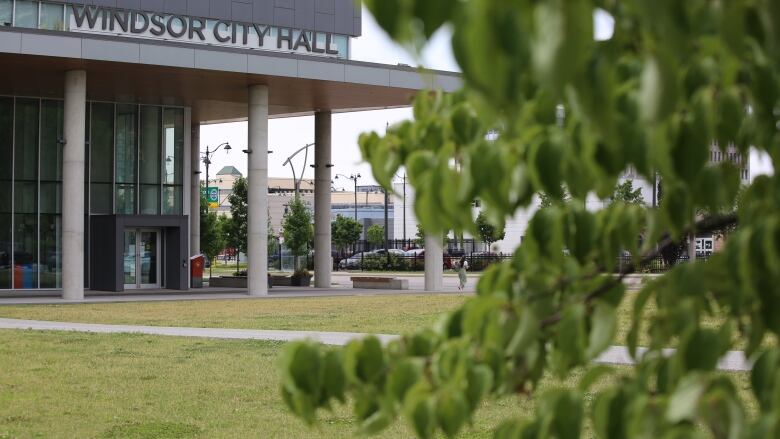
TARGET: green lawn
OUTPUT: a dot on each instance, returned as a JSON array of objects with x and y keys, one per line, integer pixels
[
  {"x": 389, "y": 314},
  {"x": 377, "y": 314},
  {"x": 56, "y": 384},
  {"x": 134, "y": 386}
]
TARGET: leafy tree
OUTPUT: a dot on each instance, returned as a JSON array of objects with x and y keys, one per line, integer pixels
[
  {"x": 546, "y": 200},
  {"x": 297, "y": 230},
  {"x": 236, "y": 227},
  {"x": 212, "y": 239},
  {"x": 625, "y": 193},
  {"x": 376, "y": 235},
  {"x": 419, "y": 236},
  {"x": 345, "y": 232},
  {"x": 673, "y": 77},
  {"x": 489, "y": 233}
]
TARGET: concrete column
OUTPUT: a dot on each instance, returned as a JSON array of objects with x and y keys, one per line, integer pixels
[
  {"x": 434, "y": 263},
  {"x": 195, "y": 191},
  {"x": 322, "y": 238},
  {"x": 257, "y": 203},
  {"x": 75, "y": 110}
]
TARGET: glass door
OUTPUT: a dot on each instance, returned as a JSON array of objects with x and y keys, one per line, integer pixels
[
  {"x": 142, "y": 258},
  {"x": 149, "y": 251}
]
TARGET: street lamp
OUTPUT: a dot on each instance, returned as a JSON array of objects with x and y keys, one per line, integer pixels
[
  {"x": 207, "y": 159},
  {"x": 296, "y": 182},
  {"x": 354, "y": 178}
]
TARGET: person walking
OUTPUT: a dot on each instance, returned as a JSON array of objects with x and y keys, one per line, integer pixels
[{"x": 462, "y": 267}]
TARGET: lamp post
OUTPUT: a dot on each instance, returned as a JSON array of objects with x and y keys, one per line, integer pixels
[
  {"x": 207, "y": 160},
  {"x": 354, "y": 178},
  {"x": 296, "y": 181}
]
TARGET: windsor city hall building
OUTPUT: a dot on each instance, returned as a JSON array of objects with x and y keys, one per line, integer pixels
[{"x": 100, "y": 107}]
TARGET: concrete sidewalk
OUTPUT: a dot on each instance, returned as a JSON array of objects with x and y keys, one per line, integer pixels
[{"x": 733, "y": 361}]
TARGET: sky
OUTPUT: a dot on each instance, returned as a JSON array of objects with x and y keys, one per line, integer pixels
[{"x": 287, "y": 135}]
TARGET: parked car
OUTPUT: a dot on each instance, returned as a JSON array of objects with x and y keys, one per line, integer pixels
[{"x": 419, "y": 253}]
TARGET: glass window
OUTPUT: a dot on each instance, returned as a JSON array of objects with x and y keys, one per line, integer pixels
[
  {"x": 51, "y": 134},
  {"x": 126, "y": 157},
  {"x": 26, "y": 140},
  {"x": 51, "y": 253},
  {"x": 6, "y": 155},
  {"x": 125, "y": 199},
  {"x": 100, "y": 198},
  {"x": 52, "y": 16},
  {"x": 51, "y": 198},
  {"x": 101, "y": 157},
  {"x": 126, "y": 126},
  {"x": 172, "y": 200},
  {"x": 6, "y": 14},
  {"x": 26, "y": 14},
  {"x": 25, "y": 251},
  {"x": 150, "y": 152},
  {"x": 173, "y": 138},
  {"x": 25, "y": 235},
  {"x": 150, "y": 199}
]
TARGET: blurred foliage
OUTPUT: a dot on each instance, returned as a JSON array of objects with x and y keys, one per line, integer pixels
[{"x": 673, "y": 79}]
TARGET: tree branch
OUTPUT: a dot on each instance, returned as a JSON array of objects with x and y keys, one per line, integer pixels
[{"x": 708, "y": 224}]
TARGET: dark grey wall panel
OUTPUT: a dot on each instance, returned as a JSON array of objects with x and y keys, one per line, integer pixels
[
  {"x": 326, "y": 6},
  {"x": 107, "y": 3},
  {"x": 304, "y": 14},
  {"x": 176, "y": 7},
  {"x": 198, "y": 8},
  {"x": 263, "y": 11},
  {"x": 152, "y": 5},
  {"x": 240, "y": 11},
  {"x": 344, "y": 17},
  {"x": 284, "y": 17},
  {"x": 220, "y": 9},
  {"x": 325, "y": 23},
  {"x": 339, "y": 16},
  {"x": 128, "y": 4}
]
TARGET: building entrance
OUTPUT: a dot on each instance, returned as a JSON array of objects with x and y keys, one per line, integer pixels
[{"x": 142, "y": 258}]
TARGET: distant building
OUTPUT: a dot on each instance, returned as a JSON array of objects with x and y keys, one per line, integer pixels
[{"x": 370, "y": 200}]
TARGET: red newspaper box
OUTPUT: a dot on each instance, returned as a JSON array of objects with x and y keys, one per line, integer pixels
[{"x": 197, "y": 263}]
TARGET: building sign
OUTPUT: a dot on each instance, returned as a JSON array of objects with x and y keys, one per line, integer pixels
[
  {"x": 182, "y": 28},
  {"x": 212, "y": 197}
]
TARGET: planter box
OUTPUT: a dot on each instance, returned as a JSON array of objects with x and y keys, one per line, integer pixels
[
  {"x": 379, "y": 283},
  {"x": 300, "y": 281},
  {"x": 241, "y": 282},
  {"x": 228, "y": 282}
]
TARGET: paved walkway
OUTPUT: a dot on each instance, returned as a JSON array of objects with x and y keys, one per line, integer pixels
[{"x": 732, "y": 361}]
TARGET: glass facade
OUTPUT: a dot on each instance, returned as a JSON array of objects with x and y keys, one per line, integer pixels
[{"x": 134, "y": 157}]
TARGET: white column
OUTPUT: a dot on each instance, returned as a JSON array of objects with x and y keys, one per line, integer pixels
[
  {"x": 322, "y": 238},
  {"x": 195, "y": 191},
  {"x": 73, "y": 185},
  {"x": 257, "y": 203},
  {"x": 434, "y": 263}
]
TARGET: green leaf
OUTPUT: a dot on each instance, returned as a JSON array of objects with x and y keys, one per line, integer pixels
[
  {"x": 659, "y": 88},
  {"x": 404, "y": 376},
  {"x": 334, "y": 378},
  {"x": 451, "y": 410},
  {"x": 480, "y": 381},
  {"x": 684, "y": 401},
  {"x": 303, "y": 364},
  {"x": 420, "y": 411},
  {"x": 603, "y": 324},
  {"x": 594, "y": 374},
  {"x": 608, "y": 415},
  {"x": 701, "y": 350},
  {"x": 763, "y": 378},
  {"x": 364, "y": 360}
]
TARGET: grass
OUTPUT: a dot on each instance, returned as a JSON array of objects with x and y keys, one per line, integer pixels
[
  {"x": 389, "y": 314},
  {"x": 57, "y": 384},
  {"x": 377, "y": 314}
]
